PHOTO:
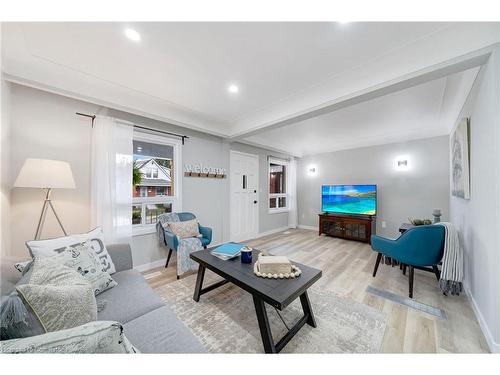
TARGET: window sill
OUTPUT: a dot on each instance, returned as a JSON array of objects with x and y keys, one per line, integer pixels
[
  {"x": 278, "y": 211},
  {"x": 143, "y": 230}
]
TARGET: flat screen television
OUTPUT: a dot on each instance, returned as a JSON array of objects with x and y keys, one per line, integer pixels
[{"x": 349, "y": 199}]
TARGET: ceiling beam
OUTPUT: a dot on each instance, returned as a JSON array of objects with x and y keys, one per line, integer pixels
[{"x": 452, "y": 66}]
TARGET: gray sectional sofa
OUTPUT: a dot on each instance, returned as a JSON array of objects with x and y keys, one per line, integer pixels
[{"x": 149, "y": 324}]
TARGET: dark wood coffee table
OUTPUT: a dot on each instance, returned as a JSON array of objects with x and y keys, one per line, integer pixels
[{"x": 278, "y": 293}]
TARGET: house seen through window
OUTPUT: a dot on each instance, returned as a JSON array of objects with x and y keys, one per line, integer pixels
[{"x": 153, "y": 181}]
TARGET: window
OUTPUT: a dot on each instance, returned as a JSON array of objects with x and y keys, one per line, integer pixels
[
  {"x": 156, "y": 180},
  {"x": 278, "y": 201},
  {"x": 151, "y": 172}
]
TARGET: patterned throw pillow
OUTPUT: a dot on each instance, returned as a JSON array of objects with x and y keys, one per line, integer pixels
[
  {"x": 185, "y": 229},
  {"x": 44, "y": 248},
  {"x": 93, "y": 337},
  {"x": 59, "y": 296},
  {"x": 83, "y": 259}
]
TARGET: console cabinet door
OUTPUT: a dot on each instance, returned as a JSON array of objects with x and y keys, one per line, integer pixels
[
  {"x": 333, "y": 227},
  {"x": 356, "y": 230}
]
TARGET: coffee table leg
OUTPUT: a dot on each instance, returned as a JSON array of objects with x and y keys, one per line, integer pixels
[
  {"x": 265, "y": 329},
  {"x": 306, "y": 307},
  {"x": 199, "y": 283}
]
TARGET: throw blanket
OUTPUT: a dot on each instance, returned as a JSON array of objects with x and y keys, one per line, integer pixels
[
  {"x": 186, "y": 245},
  {"x": 452, "y": 269}
]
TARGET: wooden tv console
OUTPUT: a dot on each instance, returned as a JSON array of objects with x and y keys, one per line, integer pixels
[{"x": 350, "y": 227}]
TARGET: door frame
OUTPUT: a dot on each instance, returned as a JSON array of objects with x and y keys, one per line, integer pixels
[{"x": 232, "y": 154}]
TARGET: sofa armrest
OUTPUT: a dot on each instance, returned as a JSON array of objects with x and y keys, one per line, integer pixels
[
  {"x": 206, "y": 232},
  {"x": 121, "y": 255}
]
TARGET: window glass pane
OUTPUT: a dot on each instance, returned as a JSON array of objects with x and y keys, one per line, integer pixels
[
  {"x": 277, "y": 178},
  {"x": 272, "y": 202},
  {"x": 282, "y": 202},
  {"x": 136, "y": 214},
  {"x": 153, "y": 170},
  {"x": 155, "y": 210}
]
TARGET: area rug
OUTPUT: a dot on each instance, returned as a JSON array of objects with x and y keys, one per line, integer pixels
[{"x": 225, "y": 322}]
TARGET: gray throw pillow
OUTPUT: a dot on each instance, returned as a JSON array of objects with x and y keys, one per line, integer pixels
[
  {"x": 93, "y": 337},
  {"x": 60, "y": 297},
  {"x": 83, "y": 259}
]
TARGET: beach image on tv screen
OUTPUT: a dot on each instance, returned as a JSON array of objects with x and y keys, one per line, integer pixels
[{"x": 349, "y": 199}]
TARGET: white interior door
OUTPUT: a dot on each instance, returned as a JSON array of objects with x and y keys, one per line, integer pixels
[{"x": 244, "y": 207}]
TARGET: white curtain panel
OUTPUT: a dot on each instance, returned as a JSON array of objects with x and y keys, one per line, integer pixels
[
  {"x": 292, "y": 193},
  {"x": 111, "y": 179}
]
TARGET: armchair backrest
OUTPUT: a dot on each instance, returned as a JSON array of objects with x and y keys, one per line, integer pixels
[
  {"x": 423, "y": 245},
  {"x": 184, "y": 216}
]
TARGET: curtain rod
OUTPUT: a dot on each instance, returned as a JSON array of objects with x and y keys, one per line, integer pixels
[{"x": 183, "y": 137}]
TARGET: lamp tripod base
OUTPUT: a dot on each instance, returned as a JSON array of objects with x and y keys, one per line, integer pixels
[{"x": 47, "y": 203}]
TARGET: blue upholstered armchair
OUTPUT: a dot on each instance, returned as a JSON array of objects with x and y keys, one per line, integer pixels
[
  {"x": 172, "y": 242},
  {"x": 419, "y": 247}
]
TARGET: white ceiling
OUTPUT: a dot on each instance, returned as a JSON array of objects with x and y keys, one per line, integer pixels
[
  {"x": 422, "y": 111},
  {"x": 179, "y": 72}
]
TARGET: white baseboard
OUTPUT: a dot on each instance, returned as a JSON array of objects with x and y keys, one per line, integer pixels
[
  {"x": 269, "y": 232},
  {"x": 150, "y": 266},
  {"x": 308, "y": 227},
  {"x": 494, "y": 347}
]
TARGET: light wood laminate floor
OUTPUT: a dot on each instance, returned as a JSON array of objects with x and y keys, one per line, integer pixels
[{"x": 347, "y": 270}]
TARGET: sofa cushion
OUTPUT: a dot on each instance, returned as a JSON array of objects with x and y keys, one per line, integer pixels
[
  {"x": 132, "y": 297},
  {"x": 160, "y": 331},
  {"x": 93, "y": 337}
]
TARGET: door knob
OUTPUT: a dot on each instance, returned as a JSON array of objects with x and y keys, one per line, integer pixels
[{"x": 254, "y": 202}]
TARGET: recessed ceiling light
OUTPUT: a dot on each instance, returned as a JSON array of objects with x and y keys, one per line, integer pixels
[
  {"x": 233, "y": 89},
  {"x": 132, "y": 35},
  {"x": 343, "y": 22}
]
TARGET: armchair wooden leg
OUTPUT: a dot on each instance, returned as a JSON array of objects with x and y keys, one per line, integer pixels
[
  {"x": 436, "y": 272},
  {"x": 379, "y": 258},
  {"x": 404, "y": 269},
  {"x": 410, "y": 281},
  {"x": 168, "y": 258}
]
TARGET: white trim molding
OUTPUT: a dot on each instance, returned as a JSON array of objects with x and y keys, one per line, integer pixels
[
  {"x": 268, "y": 233},
  {"x": 308, "y": 227},
  {"x": 494, "y": 346}
]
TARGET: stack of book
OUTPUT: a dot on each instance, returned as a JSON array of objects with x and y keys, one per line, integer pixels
[{"x": 227, "y": 251}]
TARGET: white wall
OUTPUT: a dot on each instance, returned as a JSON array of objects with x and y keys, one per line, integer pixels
[
  {"x": 478, "y": 219},
  {"x": 44, "y": 125},
  {"x": 401, "y": 194},
  {"x": 5, "y": 168}
]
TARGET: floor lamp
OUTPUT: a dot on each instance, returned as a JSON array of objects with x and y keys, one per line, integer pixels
[{"x": 45, "y": 174}]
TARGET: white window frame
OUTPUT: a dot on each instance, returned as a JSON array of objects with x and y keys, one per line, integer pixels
[
  {"x": 277, "y": 210},
  {"x": 176, "y": 199}
]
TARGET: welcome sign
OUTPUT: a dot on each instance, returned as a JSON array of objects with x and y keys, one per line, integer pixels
[{"x": 200, "y": 170}]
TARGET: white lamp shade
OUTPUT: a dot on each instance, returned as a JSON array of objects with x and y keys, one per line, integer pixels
[{"x": 44, "y": 173}]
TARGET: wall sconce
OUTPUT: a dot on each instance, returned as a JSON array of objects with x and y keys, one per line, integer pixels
[
  {"x": 312, "y": 170},
  {"x": 402, "y": 163}
]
